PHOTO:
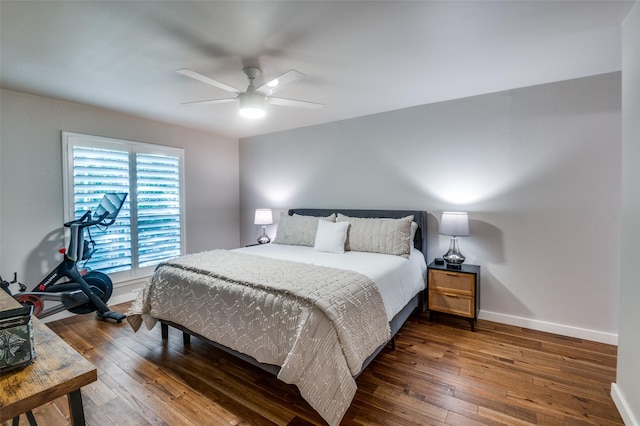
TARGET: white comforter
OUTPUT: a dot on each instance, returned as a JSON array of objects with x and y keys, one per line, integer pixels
[{"x": 319, "y": 351}]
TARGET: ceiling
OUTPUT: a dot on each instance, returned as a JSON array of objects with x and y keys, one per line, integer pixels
[{"x": 359, "y": 57}]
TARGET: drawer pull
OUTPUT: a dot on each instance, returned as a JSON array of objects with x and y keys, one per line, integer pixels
[{"x": 450, "y": 295}]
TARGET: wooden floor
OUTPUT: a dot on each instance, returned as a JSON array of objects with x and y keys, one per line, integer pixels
[{"x": 440, "y": 374}]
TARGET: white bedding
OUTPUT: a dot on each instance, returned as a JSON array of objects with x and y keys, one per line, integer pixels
[{"x": 398, "y": 279}]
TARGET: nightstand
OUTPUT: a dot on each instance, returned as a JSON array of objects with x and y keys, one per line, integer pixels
[{"x": 454, "y": 291}]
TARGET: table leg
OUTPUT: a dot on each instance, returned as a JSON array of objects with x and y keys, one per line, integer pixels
[
  {"x": 75, "y": 408},
  {"x": 30, "y": 417}
]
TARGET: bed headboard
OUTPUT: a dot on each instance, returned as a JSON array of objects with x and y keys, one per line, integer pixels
[{"x": 419, "y": 216}]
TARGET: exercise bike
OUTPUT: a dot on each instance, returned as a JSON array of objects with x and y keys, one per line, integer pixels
[{"x": 79, "y": 292}]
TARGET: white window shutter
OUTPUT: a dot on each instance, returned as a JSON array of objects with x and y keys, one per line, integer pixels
[{"x": 149, "y": 228}]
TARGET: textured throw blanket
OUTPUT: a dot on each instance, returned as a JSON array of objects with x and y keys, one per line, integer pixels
[{"x": 318, "y": 324}]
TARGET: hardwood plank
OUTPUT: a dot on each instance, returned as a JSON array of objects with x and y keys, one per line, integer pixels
[{"x": 440, "y": 374}]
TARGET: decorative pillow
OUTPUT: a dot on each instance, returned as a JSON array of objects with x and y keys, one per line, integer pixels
[
  {"x": 298, "y": 230},
  {"x": 414, "y": 229},
  {"x": 387, "y": 236},
  {"x": 331, "y": 236}
]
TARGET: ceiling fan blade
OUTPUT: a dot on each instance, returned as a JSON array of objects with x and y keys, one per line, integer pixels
[
  {"x": 211, "y": 101},
  {"x": 208, "y": 80},
  {"x": 293, "y": 103},
  {"x": 280, "y": 81}
]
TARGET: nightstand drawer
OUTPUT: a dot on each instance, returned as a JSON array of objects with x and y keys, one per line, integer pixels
[
  {"x": 452, "y": 282},
  {"x": 451, "y": 303}
]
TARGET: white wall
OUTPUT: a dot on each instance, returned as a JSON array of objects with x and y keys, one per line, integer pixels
[
  {"x": 537, "y": 168},
  {"x": 31, "y": 212},
  {"x": 626, "y": 390}
]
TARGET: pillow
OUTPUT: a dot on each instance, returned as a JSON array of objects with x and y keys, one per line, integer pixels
[
  {"x": 298, "y": 230},
  {"x": 331, "y": 236},
  {"x": 387, "y": 236}
]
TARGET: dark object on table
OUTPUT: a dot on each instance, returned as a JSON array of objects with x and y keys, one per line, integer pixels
[{"x": 16, "y": 339}]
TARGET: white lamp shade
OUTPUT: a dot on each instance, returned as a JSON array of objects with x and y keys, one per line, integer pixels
[
  {"x": 263, "y": 217},
  {"x": 455, "y": 224},
  {"x": 252, "y": 105}
]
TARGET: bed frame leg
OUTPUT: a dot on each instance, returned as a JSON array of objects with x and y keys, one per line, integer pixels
[
  {"x": 393, "y": 343},
  {"x": 164, "y": 328},
  {"x": 186, "y": 338},
  {"x": 423, "y": 301}
]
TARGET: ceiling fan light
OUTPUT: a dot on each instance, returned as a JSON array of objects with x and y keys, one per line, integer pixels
[
  {"x": 251, "y": 112},
  {"x": 252, "y": 105}
]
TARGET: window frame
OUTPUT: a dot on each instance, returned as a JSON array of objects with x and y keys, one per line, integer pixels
[{"x": 71, "y": 139}]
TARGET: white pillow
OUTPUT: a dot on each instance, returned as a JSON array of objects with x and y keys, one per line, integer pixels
[{"x": 331, "y": 236}]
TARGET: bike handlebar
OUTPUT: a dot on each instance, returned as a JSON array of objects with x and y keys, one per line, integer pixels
[{"x": 85, "y": 222}]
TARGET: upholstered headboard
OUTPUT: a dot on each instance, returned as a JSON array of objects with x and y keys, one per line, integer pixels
[{"x": 419, "y": 216}]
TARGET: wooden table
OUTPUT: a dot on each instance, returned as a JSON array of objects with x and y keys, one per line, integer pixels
[{"x": 58, "y": 370}]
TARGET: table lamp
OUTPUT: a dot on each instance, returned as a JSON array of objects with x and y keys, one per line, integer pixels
[
  {"x": 455, "y": 224},
  {"x": 263, "y": 217}
]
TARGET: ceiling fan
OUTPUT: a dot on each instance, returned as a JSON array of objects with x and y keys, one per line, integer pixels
[{"x": 252, "y": 100}]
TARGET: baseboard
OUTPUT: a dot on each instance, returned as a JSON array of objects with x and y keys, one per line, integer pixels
[
  {"x": 623, "y": 408},
  {"x": 128, "y": 297},
  {"x": 564, "y": 330}
]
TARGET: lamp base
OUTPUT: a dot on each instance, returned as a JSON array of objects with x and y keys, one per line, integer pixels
[
  {"x": 264, "y": 238},
  {"x": 453, "y": 257}
]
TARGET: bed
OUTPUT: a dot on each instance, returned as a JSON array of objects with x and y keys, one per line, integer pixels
[{"x": 314, "y": 307}]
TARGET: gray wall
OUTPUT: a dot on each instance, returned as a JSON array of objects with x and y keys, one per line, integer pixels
[
  {"x": 626, "y": 391},
  {"x": 538, "y": 169},
  {"x": 31, "y": 213}
]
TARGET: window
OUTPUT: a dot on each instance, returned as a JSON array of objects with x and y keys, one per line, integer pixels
[{"x": 149, "y": 228}]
